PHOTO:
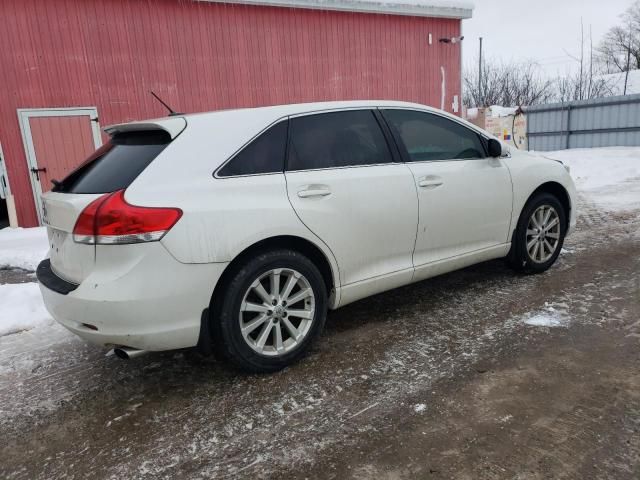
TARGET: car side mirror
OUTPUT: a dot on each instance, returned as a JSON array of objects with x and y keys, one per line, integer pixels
[{"x": 495, "y": 148}]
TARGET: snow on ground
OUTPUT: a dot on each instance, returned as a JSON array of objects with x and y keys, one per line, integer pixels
[
  {"x": 23, "y": 247},
  {"x": 610, "y": 176},
  {"x": 616, "y": 82},
  {"x": 544, "y": 320},
  {"x": 550, "y": 316},
  {"x": 22, "y": 308}
]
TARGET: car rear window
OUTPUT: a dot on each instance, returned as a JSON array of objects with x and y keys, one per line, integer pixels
[
  {"x": 337, "y": 139},
  {"x": 265, "y": 154},
  {"x": 115, "y": 165}
]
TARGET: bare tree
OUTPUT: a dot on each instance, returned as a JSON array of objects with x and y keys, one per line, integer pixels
[
  {"x": 619, "y": 50},
  {"x": 520, "y": 83},
  {"x": 571, "y": 87},
  {"x": 511, "y": 84},
  {"x": 585, "y": 83}
]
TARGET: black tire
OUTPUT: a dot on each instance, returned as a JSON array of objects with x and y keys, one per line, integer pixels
[
  {"x": 519, "y": 258},
  {"x": 228, "y": 341}
]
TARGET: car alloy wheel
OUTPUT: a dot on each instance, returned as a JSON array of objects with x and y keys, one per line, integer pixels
[
  {"x": 543, "y": 233},
  {"x": 277, "y": 312}
]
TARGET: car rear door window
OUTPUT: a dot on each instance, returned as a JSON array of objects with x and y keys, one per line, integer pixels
[
  {"x": 265, "y": 154},
  {"x": 116, "y": 164},
  {"x": 427, "y": 136},
  {"x": 337, "y": 139}
]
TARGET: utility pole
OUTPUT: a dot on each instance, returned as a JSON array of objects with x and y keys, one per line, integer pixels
[
  {"x": 589, "y": 93},
  {"x": 626, "y": 75},
  {"x": 480, "y": 96},
  {"x": 580, "y": 85}
]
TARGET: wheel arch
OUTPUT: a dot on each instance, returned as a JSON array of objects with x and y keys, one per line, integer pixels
[
  {"x": 557, "y": 190},
  {"x": 292, "y": 242},
  {"x": 330, "y": 275}
]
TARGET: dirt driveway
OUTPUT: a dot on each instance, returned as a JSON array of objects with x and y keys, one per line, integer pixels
[{"x": 443, "y": 379}]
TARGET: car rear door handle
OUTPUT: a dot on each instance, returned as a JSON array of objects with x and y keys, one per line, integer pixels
[
  {"x": 314, "y": 191},
  {"x": 430, "y": 182}
]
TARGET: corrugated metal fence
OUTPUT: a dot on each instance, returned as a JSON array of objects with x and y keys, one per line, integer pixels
[{"x": 601, "y": 122}]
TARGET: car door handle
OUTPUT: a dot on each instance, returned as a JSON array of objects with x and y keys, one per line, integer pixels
[
  {"x": 430, "y": 182},
  {"x": 314, "y": 191}
]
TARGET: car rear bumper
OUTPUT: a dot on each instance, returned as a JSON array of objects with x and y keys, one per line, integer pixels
[{"x": 137, "y": 296}]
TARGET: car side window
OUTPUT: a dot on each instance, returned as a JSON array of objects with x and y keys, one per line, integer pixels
[
  {"x": 265, "y": 154},
  {"x": 427, "y": 136},
  {"x": 337, "y": 139}
]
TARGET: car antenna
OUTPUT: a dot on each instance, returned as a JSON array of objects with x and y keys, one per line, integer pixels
[{"x": 172, "y": 112}]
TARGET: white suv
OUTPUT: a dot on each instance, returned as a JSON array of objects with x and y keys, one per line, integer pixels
[{"x": 236, "y": 230}]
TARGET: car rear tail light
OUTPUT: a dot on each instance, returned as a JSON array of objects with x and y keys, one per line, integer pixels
[{"x": 110, "y": 220}]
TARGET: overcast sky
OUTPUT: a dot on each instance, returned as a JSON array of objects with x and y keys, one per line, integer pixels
[{"x": 538, "y": 29}]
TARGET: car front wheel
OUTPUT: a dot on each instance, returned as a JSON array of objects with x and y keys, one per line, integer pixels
[
  {"x": 539, "y": 235},
  {"x": 274, "y": 306}
]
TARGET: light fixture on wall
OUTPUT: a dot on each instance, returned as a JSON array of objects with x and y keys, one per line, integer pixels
[{"x": 451, "y": 40}]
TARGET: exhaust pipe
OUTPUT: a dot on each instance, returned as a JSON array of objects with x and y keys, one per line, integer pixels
[{"x": 126, "y": 353}]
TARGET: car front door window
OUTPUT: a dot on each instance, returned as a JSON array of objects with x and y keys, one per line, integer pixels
[{"x": 429, "y": 137}]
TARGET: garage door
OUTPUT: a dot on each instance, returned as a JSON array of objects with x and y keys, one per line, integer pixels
[{"x": 56, "y": 141}]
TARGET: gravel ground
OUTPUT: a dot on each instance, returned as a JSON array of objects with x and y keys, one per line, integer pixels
[
  {"x": 16, "y": 275},
  {"x": 442, "y": 379}
]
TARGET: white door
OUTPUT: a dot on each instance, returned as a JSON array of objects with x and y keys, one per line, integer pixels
[
  {"x": 465, "y": 198},
  {"x": 344, "y": 186},
  {"x": 4, "y": 178},
  {"x": 56, "y": 141}
]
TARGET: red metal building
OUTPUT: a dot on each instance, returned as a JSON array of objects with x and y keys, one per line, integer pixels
[{"x": 70, "y": 67}]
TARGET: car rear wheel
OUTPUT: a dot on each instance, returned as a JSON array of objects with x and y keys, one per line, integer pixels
[
  {"x": 274, "y": 306},
  {"x": 539, "y": 235}
]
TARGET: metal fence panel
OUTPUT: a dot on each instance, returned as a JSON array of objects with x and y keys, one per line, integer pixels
[{"x": 600, "y": 122}]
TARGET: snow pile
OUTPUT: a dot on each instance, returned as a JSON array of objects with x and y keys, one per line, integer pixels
[
  {"x": 615, "y": 81},
  {"x": 472, "y": 113},
  {"x": 544, "y": 320},
  {"x": 549, "y": 317},
  {"x": 593, "y": 168},
  {"x": 22, "y": 308},
  {"x": 608, "y": 176},
  {"x": 494, "y": 111},
  {"x": 23, "y": 247},
  {"x": 497, "y": 111}
]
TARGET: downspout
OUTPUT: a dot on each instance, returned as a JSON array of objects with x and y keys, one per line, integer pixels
[{"x": 443, "y": 88}]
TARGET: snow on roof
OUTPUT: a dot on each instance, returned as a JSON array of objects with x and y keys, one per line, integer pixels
[
  {"x": 494, "y": 111},
  {"x": 499, "y": 111},
  {"x": 460, "y": 9},
  {"x": 616, "y": 82}
]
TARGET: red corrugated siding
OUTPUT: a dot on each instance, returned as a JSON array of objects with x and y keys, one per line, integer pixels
[{"x": 204, "y": 56}]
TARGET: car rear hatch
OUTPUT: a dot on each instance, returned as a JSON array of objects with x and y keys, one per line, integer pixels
[{"x": 114, "y": 166}]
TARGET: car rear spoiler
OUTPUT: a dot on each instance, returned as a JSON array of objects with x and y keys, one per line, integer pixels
[{"x": 173, "y": 126}]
